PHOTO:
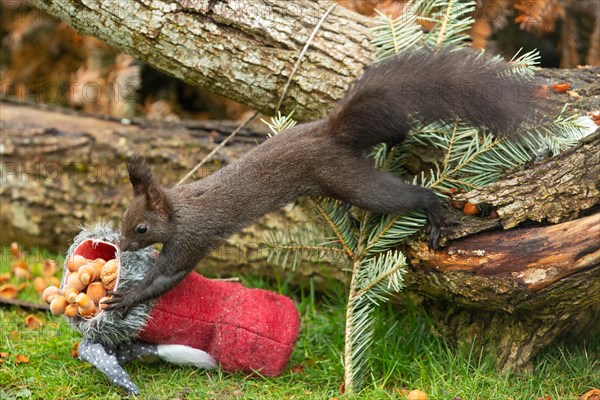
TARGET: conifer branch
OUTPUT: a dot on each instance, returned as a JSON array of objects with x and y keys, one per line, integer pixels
[
  {"x": 335, "y": 228},
  {"x": 444, "y": 24}
]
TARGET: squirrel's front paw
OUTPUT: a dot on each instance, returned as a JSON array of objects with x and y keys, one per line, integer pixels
[
  {"x": 118, "y": 301},
  {"x": 436, "y": 222}
]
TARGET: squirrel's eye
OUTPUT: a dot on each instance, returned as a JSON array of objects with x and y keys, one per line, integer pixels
[{"x": 141, "y": 229}]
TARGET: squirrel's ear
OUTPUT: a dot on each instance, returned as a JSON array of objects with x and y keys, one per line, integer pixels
[
  {"x": 139, "y": 175},
  {"x": 156, "y": 200}
]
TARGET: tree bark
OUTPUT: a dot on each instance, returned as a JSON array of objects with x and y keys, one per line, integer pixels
[
  {"x": 519, "y": 289},
  {"x": 242, "y": 49}
]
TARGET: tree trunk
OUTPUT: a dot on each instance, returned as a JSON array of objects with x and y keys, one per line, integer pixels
[
  {"x": 62, "y": 170},
  {"x": 242, "y": 49}
]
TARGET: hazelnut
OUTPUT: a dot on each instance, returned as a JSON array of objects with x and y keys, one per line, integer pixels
[
  {"x": 50, "y": 293},
  {"x": 5, "y": 276},
  {"x": 21, "y": 272},
  {"x": 53, "y": 281},
  {"x": 102, "y": 303},
  {"x": 39, "y": 284},
  {"x": 71, "y": 310},
  {"x": 417, "y": 395},
  {"x": 87, "y": 274},
  {"x": 74, "y": 282},
  {"x": 98, "y": 263},
  {"x": 49, "y": 268},
  {"x": 96, "y": 292},
  {"x": 84, "y": 301},
  {"x": 71, "y": 294},
  {"x": 14, "y": 248},
  {"x": 87, "y": 312},
  {"x": 58, "y": 305},
  {"x": 470, "y": 209},
  {"x": 74, "y": 262}
]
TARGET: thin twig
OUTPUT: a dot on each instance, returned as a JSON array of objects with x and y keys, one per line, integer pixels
[
  {"x": 283, "y": 94},
  {"x": 214, "y": 151},
  {"x": 301, "y": 56}
]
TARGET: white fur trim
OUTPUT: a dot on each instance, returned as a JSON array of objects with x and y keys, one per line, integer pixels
[{"x": 185, "y": 355}]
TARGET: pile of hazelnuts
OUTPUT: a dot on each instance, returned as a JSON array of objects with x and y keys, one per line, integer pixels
[{"x": 85, "y": 290}]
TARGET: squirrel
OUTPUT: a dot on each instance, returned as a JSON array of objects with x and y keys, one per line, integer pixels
[{"x": 321, "y": 158}]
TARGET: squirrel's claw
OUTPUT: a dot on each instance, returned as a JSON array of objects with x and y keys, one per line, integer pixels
[
  {"x": 117, "y": 301},
  {"x": 437, "y": 220},
  {"x": 434, "y": 236}
]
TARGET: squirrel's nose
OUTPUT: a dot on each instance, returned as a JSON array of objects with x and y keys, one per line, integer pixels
[{"x": 126, "y": 245}]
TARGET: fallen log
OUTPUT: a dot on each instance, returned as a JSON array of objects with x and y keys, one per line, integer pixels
[
  {"x": 60, "y": 169},
  {"x": 519, "y": 289}
]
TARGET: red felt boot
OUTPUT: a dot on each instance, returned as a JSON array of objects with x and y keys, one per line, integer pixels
[{"x": 242, "y": 329}]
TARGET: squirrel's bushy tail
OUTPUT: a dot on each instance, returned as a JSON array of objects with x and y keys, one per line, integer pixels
[{"x": 429, "y": 86}]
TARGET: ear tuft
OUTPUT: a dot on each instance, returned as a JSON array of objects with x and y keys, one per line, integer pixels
[
  {"x": 156, "y": 200},
  {"x": 140, "y": 175}
]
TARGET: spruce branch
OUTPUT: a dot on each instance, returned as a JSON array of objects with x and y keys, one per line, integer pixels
[
  {"x": 338, "y": 218},
  {"x": 525, "y": 64},
  {"x": 289, "y": 246},
  {"x": 280, "y": 123},
  {"x": 452, "y": 21},
  {"x": 374, "y": 280}
]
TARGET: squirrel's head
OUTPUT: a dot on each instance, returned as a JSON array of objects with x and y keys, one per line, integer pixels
[{"x": 148, "y": 219}]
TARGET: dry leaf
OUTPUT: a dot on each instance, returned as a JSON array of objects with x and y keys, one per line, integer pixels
[
  {"x": 403, "y": 391},
  {"x": 14, "y": 248},
  {"x": 49, "y": 268},
  {"x": 538, "y": 15},
  {"x": 75, "y": 350},
  {"x": 21, "y": 273},
  {"x": 541, "y": 91},
  {"x": 33, "y": 322},
  {"x": 342, "y": 388},
  {"x": 595, "y": 116},
  {"x": 561, "y": 87},
  {"x": 8, "y": 291},
  {"x": 21, "y": 359},
  {"x": 4, "y": 276},
  {"x": 593, "y": 394},
  {"x": 297, "y": 368},
  {"x": 4, "y": 355},
  {"x": 14, "y": 335}
]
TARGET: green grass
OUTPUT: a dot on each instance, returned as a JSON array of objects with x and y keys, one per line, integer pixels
[{"x": 407, "y": 354}]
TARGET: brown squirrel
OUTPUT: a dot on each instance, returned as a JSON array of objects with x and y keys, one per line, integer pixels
[{"x": 321, "y": 158}]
